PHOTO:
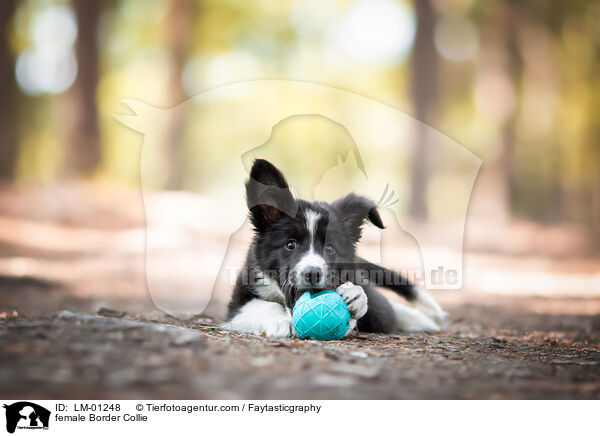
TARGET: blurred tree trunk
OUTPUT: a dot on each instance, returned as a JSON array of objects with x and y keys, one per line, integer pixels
[
  {"x": 513, "y": 68},
  {"x": 178, "y": 27},
  {"x": 424, "y": 94},
  {"x": 8, "y": 102},
  {"x": 84, "y": 152}
]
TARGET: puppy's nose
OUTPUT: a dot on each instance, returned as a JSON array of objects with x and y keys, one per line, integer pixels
[{"x": 312, "y": 275}]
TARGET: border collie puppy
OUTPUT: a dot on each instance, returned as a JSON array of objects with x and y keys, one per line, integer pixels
[{"x": 301, "y": 246}]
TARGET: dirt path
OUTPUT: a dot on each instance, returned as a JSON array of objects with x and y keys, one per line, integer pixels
[{"x": 76, "y": 355}]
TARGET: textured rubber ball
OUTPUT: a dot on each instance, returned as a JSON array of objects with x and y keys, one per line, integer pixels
[{"x": 323, "y": 316}]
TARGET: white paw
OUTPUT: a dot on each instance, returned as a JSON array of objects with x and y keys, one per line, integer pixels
[
  {"x": 278, "y": 328},
  {"x": 263, "y": 318},
  {"x": 411, "y": 319},
  {"x": 355, "y": 298},
  {"x": 426, "y": 304}
]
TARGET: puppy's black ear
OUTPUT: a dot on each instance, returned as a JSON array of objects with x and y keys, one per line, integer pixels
[
  {"x": 353, "y": 210},
  {"x": 268, "y": 195}
]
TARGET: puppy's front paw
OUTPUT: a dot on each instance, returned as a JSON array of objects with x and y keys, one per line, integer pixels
[
  {"x": 355, "y": 299},
  {"x": 278, "y": 328},
  {"x": 263, "y": 318}
]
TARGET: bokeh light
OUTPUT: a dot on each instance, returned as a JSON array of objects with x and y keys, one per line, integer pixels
[
  {"x": 376, "y": 30},
  {"x": 54, "y": 25},
  {"x": 456, "y": 39},
  {"x": 49, "y": 66}
]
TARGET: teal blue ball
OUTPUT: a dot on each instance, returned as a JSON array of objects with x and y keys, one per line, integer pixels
[{"x": 323, "y": 316}]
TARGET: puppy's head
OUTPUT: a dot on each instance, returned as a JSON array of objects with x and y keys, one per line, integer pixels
[{"x": 305, "y": 246}]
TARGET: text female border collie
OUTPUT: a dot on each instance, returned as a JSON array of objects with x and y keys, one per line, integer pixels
[{"x": 301, "y": 246}]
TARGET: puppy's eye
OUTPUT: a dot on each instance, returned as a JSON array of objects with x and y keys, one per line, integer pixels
[
  {"x": 291, "y": 244},
  {"x": 329, "y": 249}
]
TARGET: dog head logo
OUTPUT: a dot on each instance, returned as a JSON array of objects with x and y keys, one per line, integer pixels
[
  {"x": 366, "y": 148},
  {"x": 26, "y": 415}
]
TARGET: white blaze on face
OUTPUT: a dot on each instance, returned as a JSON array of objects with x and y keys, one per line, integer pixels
[{"x": 310, "y": 258}]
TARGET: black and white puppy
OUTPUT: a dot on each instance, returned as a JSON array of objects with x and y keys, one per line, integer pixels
[{"x": 301, "y": 246}]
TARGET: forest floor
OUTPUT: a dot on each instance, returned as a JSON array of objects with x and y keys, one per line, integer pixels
[{"x": 76, "y": 321}]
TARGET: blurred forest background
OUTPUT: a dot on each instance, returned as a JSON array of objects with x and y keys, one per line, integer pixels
[{"x": 517, "y": 83}]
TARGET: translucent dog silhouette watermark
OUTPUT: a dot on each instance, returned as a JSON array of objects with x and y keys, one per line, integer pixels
[{"x": 327, "y": 142}]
